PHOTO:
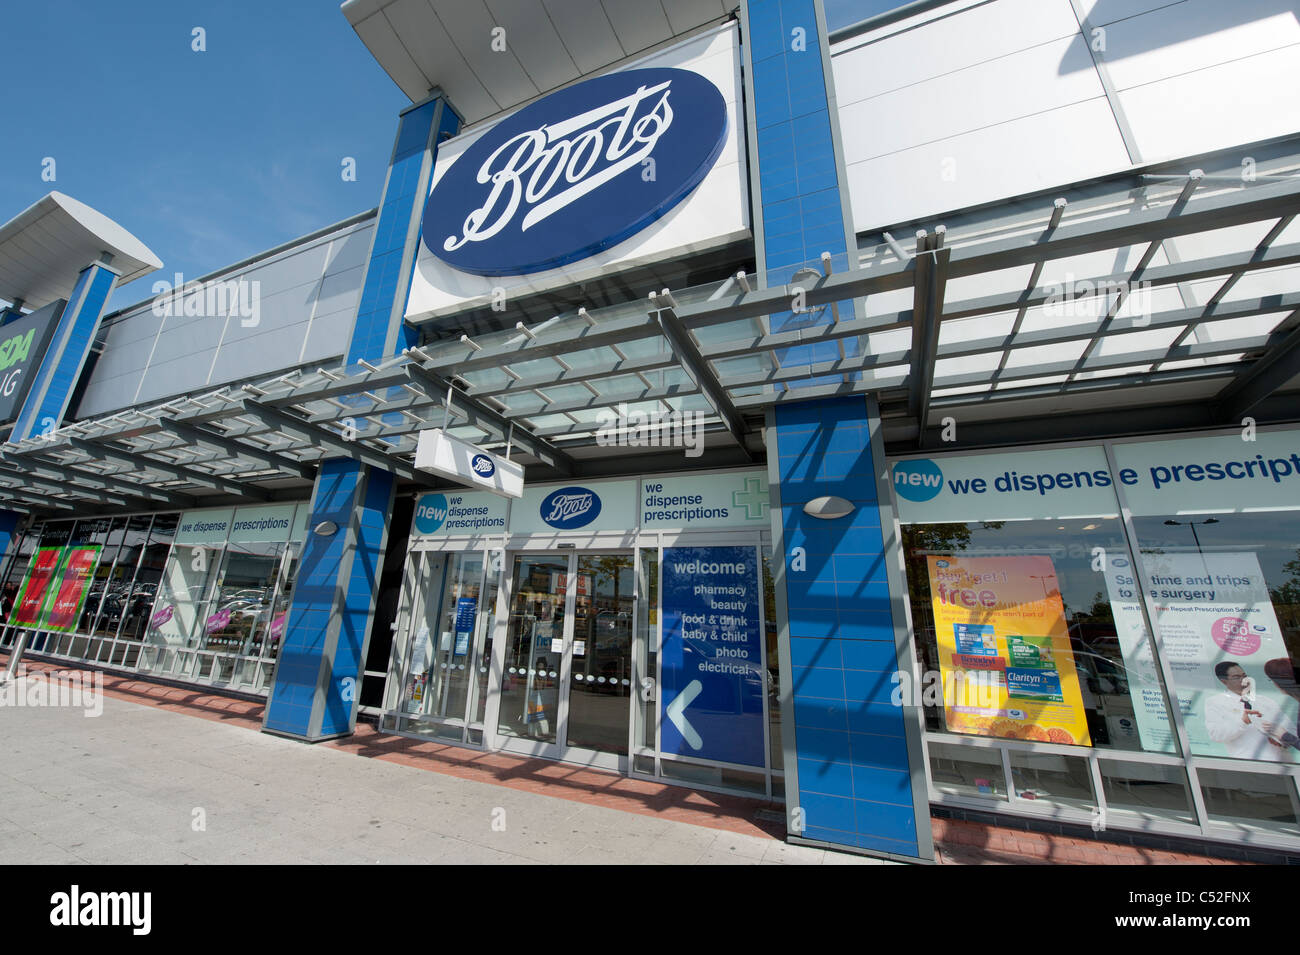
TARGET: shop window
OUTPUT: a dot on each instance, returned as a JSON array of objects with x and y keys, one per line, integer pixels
[
  {"x": 1224, "y": 592},
  {"x": 1022, "y": 634},
  {"x": 180, "y": 613},
  {"x": 1059, "y": 779},
  {"x": 1151, "y": 791},
  {"x": 139, "y": 609},
  {"x": 1249, "y": 799},
  {"x": 240, "y": 612},
  {"x": 967, "y": 770}
]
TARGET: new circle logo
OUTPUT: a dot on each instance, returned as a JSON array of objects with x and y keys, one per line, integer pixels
[
  {"x": 482, "y": 465},
  {"x": 570, "y": 507},
  {"x": 918, "y": 480},
  {"x": 430, "y": 512},
  {"x": 576, "y": 172}
]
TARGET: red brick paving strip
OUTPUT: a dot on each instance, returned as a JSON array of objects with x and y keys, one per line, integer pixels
[{"x": 957, "y": 842}]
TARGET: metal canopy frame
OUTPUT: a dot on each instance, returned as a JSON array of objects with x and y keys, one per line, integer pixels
[{"x": 547, "y": 393}]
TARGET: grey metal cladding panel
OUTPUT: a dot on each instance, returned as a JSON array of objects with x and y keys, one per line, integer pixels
[
  {"x": 328, "y": 337},
  {"x": 108, "y": 393},
  {"x": 274, "y": 349},
  {"x": 128, "y": 331},
  {"x": 285, "y": 310},
  {"x": 351, "y": 251},
  {"x": 177, "y": 377},
  {"x": 340, "y": 290},
  {"x": 121, "y": 361},
  {"x": 184, "y": 337},
  {"x": 293, "y": 271}
]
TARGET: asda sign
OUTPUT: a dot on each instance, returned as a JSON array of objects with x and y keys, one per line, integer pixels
[{"x": 22, "y": 346}]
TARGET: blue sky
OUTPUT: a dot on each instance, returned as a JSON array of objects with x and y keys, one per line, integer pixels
[{"x": 207, "y": 157}]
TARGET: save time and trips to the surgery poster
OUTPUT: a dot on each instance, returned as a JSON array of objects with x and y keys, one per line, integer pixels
[
  {"x": 1231, "y": 671},
  {"x": 1004, "y": 649}
]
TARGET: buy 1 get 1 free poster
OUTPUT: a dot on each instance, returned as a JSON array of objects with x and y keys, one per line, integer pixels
[{"x": 1004, "y": 649}]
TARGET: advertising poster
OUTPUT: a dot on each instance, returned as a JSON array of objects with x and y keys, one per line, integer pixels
[
  {"x": 712, "y": 657},
  {"x": 466, "y": 613},
  {"x": 1155, "y": 735},
  {"x": 70, "y": 588},
  {"x": 1004, "y": 649},
  {"x": 27, "y": 608},
  {"x": 1231, "y": 671}
]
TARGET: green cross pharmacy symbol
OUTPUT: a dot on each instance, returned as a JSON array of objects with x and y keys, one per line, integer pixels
[{"x": 754, "y": 499}]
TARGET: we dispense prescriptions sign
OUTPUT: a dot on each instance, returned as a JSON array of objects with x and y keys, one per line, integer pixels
[
  {"x": 1004, "y": 649},
  {"x": 712, "y": 658},
  {"x": 735, "y": 500},
  {"x": 1243, "y": 473}
]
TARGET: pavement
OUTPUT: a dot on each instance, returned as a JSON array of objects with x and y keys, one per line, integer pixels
[
  {"x": 145, "y": 784},
  {"x": 145, "y": 781}
]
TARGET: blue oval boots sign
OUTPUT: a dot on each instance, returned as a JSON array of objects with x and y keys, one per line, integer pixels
[
  {"x": 570, "y": 508},
  {"x": 576, "y": 172}
]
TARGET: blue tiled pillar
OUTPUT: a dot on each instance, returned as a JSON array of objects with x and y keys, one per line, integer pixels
[
  {"x": 379, "y": 330},
  {"x": 858, "y": 777},
  {"x": 320, "y": 668},
  {"x": 51, "y": 388},
  {"x": 318, "y": 674},
  {"x": 795, "y": 169}
]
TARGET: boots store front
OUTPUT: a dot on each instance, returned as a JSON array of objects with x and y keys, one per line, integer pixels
[
  {"x": 534, "y": 626},
  {"x": 1111, "y": 628},
  {"x": 805, "y": 453}
]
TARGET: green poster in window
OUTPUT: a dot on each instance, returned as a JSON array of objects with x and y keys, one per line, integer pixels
[
  {"x": 69, "y": 588},
  {"x": 28, "y": 608}
]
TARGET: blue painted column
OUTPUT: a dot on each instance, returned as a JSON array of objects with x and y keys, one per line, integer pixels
[
  {"x": 56, "y": 376},
  {"x": 55, "y": 379},
  {"x": 323, "y": 655},
  {"x": 796, "y": 169},
  {"x": 855, "y": 775}
]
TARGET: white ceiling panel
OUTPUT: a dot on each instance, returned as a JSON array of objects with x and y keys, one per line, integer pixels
[
  {"x": 423, "y": 44},
  {"x": 470, "y": 26},
  {"x": 587, "y": 33},
  {"x": 377, "y": 34},
  {"x": 44, "y": 248},
  {"x": 544, "y": 55}
]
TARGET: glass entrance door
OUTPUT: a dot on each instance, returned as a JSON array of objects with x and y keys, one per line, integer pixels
[
  {"x": 566, "y": 676},
  {"x": 440, "y": 684},
  {"x": 600, "y": 684},
  {"x": 534, "y": 650}
]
